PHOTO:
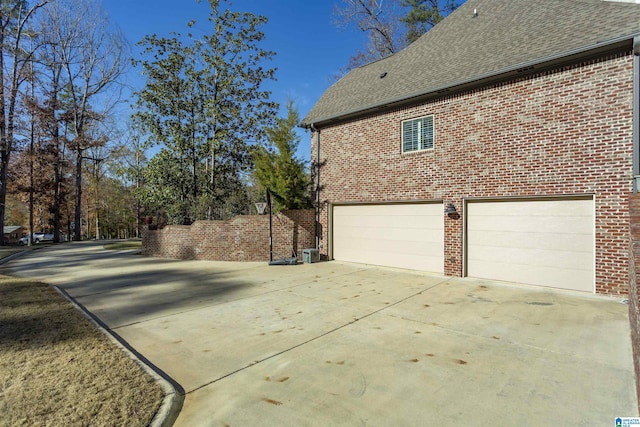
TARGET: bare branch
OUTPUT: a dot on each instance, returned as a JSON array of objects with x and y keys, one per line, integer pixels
[
  {"x": 380, "y": 20},
  {"x": 91, "y": 55}
]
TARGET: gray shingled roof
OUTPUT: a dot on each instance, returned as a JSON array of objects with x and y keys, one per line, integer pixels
[
  {"x": 506, "y": 35},
  {"x": 8, "y": 229}
]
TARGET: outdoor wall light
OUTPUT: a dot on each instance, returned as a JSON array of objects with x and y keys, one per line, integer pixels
[{"x": 450, "y": 209}]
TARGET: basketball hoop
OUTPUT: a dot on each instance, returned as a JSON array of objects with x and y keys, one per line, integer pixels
[{"x": 261, "y": 207}]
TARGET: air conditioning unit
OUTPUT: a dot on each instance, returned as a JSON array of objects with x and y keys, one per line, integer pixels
[{"x": 310, "y": 255}]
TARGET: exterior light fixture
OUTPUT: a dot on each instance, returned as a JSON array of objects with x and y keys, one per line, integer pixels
[{"x": 450, "y": 209}]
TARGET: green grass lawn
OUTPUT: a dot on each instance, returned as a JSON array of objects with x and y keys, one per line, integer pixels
[{"x": 125, "y": 244}]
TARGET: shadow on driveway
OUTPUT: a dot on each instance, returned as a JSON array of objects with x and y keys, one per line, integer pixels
[{"x": 344, "y": 344}]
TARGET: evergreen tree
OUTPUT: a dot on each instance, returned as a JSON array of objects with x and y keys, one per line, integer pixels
[
  {"x": 203, "y": 100},
  {"x": 278, "y": 169},
  {"x": 424, "y": 14}
]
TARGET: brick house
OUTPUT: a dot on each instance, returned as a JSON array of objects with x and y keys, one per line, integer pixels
[
  {"x": 13, "y": 233},
  {"x": 503, "y": 144}
]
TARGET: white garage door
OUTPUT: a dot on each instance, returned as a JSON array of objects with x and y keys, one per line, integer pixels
[
  {"x": 395, "y": 235},
  {"x": 537, "y": 242}
]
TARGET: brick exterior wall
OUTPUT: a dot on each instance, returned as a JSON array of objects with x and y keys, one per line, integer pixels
[
  {"x": 561, "y": 132},
  {"x": 243, "y": 238},
  {"x": 634, "y": 285}
]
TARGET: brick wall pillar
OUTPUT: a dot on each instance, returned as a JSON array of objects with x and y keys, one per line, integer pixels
[
  {"x": 325, "y": 210},
  {"x": 634, "y": 292},
  {"x": 453, "y": 238}
]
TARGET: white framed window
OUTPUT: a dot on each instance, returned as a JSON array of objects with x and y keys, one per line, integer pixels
[{"x": 417, "y": 134}]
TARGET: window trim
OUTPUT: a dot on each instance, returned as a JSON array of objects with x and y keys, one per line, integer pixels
[{"x": 433, "y": 132}]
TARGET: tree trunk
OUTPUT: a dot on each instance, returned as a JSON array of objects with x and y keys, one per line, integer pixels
[
  {"x": 97, "y": 209},
  {"x": 77, "y": 232},
  {"x": 57, "y": 163},
  {"x": 56, "y": 200},
  {"x": 32, "y": 136},
  {"x": 4, "y": 165},
  {"x": 137, "y": 193}
]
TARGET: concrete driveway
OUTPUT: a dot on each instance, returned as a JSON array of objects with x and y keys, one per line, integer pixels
[{"x": 346, "y": 344}]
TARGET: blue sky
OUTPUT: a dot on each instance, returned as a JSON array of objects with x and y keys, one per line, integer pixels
[{"x": 309, "y": 48}]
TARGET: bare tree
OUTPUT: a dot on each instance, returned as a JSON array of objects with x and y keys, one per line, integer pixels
[
  {"x": 380, "y": 19},
  {"x": 128, "y": 160},
  {"x": 14, "y": 69},
  {"x": 92, "y": 56},
  {"x": 390, "y": 25},
  {"x": 96, "y": 155},
  {"x": 49, "y": 108}
]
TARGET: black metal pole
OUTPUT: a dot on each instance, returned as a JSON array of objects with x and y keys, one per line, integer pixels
[{"x": 270, "y": 227}]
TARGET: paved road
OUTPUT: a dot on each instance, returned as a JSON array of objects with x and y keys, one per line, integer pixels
[{"x": 346, "y": 344}]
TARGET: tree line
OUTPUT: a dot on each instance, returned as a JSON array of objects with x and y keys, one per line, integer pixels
[
  {"x": 66, "y": 164},
  {"x": 69, "y": 167},
  {"x": 61, "y": 60}
]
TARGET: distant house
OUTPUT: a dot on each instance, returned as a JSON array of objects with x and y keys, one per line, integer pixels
[
  {"x": 12, "y": 233},
  {"x": 503, "y": 144}
]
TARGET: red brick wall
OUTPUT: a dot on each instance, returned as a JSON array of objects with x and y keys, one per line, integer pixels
[
  {"x": 243, "y": 238},
  {"x": 563, "y": 132},
  {"x": 634, "y": 285}
]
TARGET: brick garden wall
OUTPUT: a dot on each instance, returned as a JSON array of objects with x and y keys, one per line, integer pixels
[
  {"x": 242, "y": 238},
  {"x": 561, "y": 132},
  {"x": 634, "y": 285}
]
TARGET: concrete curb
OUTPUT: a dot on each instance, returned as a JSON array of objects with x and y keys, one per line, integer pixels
[
  {"x": 173, "y": 392},
  {"x": 28, "y": 249},
  {"x": 14, "y": 256}
]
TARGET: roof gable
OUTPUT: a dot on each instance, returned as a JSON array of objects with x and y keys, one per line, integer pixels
[
  {"x": 465, "y": 47},
  {"x": 8, "y": 229}
]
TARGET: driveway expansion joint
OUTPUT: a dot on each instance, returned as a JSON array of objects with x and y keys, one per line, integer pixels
[
  {"x": 538, "y": 388},
  {"x": 356, "y": 319}
]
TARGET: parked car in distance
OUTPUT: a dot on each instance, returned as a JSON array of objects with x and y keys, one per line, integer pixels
[{"x": 37, "y": 238}]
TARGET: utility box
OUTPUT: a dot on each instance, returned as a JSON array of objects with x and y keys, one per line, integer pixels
[{"x": 310, "y": 255}]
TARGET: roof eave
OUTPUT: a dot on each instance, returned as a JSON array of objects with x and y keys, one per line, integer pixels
[{"x": 529, "y": 67}]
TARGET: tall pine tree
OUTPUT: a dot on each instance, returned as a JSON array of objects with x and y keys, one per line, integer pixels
[
  {"x": 278, "y": 169},
  {"x": 424, "y": 14}
]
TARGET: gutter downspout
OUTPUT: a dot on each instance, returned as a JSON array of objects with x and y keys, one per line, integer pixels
[
  {"x": 312, "y": 127},
  {"x": 636, "y": 114}
]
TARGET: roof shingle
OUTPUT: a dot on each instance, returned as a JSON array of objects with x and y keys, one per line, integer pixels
[{"x": 505, "y": 34}]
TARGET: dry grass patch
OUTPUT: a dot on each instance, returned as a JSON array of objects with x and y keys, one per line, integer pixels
[{"x": 57, "y": 368}]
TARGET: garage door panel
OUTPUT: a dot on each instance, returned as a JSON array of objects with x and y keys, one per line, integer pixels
[
  {"x": 538, "y": 242},
  {"x": 378, "y": 212},
  {"x": 392, "y": 247},
  {"x": 396, "y": 235},
  {"x": 408, "y": 248},
  {"x": 538, "y": 275},
  {"x": 518, "y": 208},
  {"x": 540, "y": 257},
  {"x": 387, "y": 233},
  {"x": 393, "y": 233},
  {"x": 408, "y": 261},
  {"x": 406, "y": 221},
  {"x": 551, "y": 224},
  {"x": 550, "y": 241},
  {"x": 388, "y": 209}
]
